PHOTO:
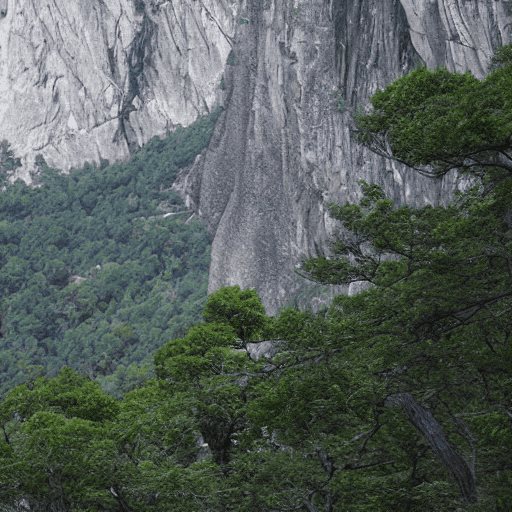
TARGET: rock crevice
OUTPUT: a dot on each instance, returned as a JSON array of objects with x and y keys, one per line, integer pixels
[{"x": 85, "y": 81}]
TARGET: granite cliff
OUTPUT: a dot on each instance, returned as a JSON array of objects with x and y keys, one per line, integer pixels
[
  {"x": 260, "y": 187},
  {"x": 85, "y": 81},
  {"x": 81, "y": 81}
]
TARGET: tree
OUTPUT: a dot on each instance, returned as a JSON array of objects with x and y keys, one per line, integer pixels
[
  {"x": 156, "y": 435},
  {"x": 194, "y": 365},
  {"x": 436, "y": 319},
  {"x": 191, "y": 357},
  {"x": 242, "y": 309},
  {"x": 436, "y": 121},
  {"x": 8, "y": 162},
  {"x": 56, "y": 446}
]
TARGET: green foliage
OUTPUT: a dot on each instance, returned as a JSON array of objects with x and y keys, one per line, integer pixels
[
  {"x": 241, "y": 309},
  {"x": 435, "y": 319},
  {"x": 222, "y": 84},
  {"x": 56, "y": 443},
  {"x": 194, "y": 367},
  {"x": 8, "y": 162},
  {"x": 242, "y": 21},
  {"x": 502, "y": 58},
  {"x": 196, "y": 354},
  {"x": 325, "y": 424},
  {"x": 231, "y": 58},
  {"x": 441, "y": 119},
  {"x": 92, "y": 275},
  {"x": 434, "y": 322},
  {"x": 340, "y": 102},
  {"x": 69, "y": 394}
]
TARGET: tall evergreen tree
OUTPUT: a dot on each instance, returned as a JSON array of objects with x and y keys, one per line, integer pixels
[{"x": 437, "y": 315}]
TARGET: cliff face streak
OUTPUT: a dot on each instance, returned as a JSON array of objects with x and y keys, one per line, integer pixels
[
  {"x": 82, "y": 81},
  {"x": 88, "y": 80},
  {"x": 260, "y": 187}
]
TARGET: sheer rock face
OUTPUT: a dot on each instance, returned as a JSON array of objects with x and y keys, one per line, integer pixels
[
  {"x": 282, "y": 147},
  {"x": 86, "y": 80}
]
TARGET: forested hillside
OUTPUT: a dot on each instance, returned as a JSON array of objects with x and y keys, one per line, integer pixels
[
  {"x": 98, "y": 267},
  {"x": 397, "y": 399}
]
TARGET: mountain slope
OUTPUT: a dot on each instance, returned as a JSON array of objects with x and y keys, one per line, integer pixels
[
  {"x": 81, "y": 81},
  {"x": 101, "y": 267},
  {"x": 299, "y": 74},
  {"x": 84, "y": 82}
]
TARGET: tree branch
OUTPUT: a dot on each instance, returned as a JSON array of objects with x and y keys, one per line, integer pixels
[
  {"x": 465, "y": 432},
  {"x": 428, "y": 426},
  {"x": 350, "y": 467}
]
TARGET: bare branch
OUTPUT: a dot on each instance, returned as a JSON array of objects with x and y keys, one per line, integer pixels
[
  {"x": 427, "y": 425},
  {"x": 350, "y": 467},
  {"x": 465, "y": 432}
]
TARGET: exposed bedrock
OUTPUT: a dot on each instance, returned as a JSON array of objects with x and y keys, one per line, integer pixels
[
  {"x": 282, "y": 147},
  {"x": 86, "y": 80},
  {"x": 81, "y": 81}
]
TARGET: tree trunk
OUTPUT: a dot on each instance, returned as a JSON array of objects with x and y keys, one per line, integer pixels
[{"x": 432, "y": 431}]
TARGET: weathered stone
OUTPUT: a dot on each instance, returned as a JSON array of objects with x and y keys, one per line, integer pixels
[
  {"x": 267, "y": 349},
  {"x": 81, "y": 81},
  {"x": 282, "y": 147},
  {"x": 76, "y": 279}
]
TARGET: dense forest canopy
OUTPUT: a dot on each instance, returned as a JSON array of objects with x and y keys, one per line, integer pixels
[
  {"x": 395, "y": 399},
  {"x": 98, "y": 266}
]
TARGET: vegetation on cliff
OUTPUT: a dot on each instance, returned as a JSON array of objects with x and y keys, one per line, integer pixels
[
  {"x": 395, "y": 399},
  {"x": 98, "y": 266}
]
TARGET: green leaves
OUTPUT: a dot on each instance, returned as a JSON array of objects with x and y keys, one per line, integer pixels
[
  {"x": 69, "y": 394},
  {"x": 8, "y": 162},
  {"x": 436, "y": 321},
  {"x": 97, "y": 246},
  {"x": 370, "y": 402},
  {"x": 197, "y": 354},
  {"x": 57, "y": 434},
  {"x": 242, "y": 310},
  {"x": 439, "y": 118}
]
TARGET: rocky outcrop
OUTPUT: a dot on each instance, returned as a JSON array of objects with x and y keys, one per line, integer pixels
[
  {"x": 267, "y": 349},
  {"x": 85, "y": 81},
  {"x": 283, "y": 146},
  {"x": 82, "y": 81}
]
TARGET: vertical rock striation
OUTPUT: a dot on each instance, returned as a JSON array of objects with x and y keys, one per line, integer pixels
[
  {"x": 282, "y": 146},
  {"x": 86, "y": 80},
  {"x": 81, "y": 81}
]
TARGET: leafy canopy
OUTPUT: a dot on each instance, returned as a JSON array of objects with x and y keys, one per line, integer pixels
[
  {"x": 435, "y": 121},
  {"x": 434, "y": 323},
  {"x": 394, "y": 399},
  {"x": 242, "y": 309},
  {"x": 100, "y": 266}
]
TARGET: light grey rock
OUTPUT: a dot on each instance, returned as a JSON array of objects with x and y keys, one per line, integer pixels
[
  {"x": 76, "y": 279},
  {"x": 258, "y": 349},
  {"x": 281, "y": 147},
  {"x": 86, "y": 80},
  {"x": 81, "y": 81},
  {"x": 267, "y": 349}
]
